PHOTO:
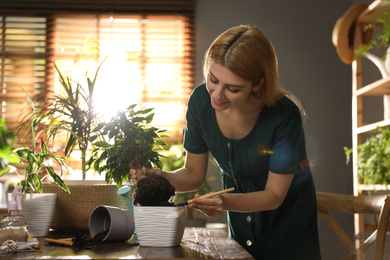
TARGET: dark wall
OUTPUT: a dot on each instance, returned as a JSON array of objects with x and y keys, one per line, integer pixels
[{"x": 310, "y": 68}]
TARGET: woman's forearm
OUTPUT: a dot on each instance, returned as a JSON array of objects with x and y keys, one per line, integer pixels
[
  {"x": 251, "y": 202},
  {"x": 183, "y": 180},
  {"x": 192, "y": 175}
]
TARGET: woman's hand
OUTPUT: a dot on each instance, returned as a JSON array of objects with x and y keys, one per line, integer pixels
[
  {"x": 141, "y": 173},
  {"x": 211, "y": 207}
]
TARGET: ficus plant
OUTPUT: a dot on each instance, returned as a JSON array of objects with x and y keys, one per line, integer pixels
[
  {"x": 373, "y": 158},
  {"x": 126, "y": 142}
]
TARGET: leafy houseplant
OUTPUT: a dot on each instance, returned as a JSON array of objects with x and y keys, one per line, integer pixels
[
  {"x": 126, "y": 142},
  {"x": 7, "y": 142},
  {"x": 373, "y": 158},
  {"x": 34, "y": 160},
  {"x": 72, "y": 112}
]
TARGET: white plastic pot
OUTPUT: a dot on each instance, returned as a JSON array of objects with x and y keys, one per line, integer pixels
[{"x": 161, "y": 226}]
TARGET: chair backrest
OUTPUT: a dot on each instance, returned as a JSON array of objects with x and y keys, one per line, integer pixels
[{"x": 350, "y": 204}]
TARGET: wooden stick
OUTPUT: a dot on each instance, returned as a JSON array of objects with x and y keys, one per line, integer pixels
[
  {"x": 59, "y": 241},
  {"x": 209, "y": 195}
]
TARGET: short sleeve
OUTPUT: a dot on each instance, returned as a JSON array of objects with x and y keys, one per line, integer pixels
[
  {"x": 288, "y": 146},
  {"x": 193, "y": 137}
]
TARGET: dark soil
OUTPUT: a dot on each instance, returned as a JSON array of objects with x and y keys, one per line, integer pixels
[
  {"x": 154, "y": 190},
  {"x": 98, "y": 238}
]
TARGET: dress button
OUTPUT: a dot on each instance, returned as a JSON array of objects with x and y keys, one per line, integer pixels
[
  {"x": 248, "y": 243},
  {"x": 228, "y": 145},
  {"x": 248, "y": 219}
]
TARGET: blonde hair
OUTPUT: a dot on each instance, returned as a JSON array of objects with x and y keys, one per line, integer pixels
[{"x": 248, "y": 53}]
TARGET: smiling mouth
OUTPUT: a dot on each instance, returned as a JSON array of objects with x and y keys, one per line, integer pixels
[{"x": 218, "y": 103}]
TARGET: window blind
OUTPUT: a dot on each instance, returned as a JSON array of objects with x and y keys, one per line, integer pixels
[{"x": 150, "y": 53}]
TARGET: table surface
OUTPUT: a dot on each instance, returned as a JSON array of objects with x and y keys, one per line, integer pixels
[{"x": 197, "y": 243}]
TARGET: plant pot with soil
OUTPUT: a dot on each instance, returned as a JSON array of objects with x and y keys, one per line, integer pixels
[
  {"x": 126, "y": 143},
  {"x": 158, "y": 221}
]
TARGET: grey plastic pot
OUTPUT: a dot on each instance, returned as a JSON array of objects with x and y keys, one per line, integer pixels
[{"x": 118, "y": 222}]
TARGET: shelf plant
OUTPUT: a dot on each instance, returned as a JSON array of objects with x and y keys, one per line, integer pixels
[
  {"x": 382, "y": 39},
  {"x": 126, "y": 142},
  {"x": 373, "y": 158}
]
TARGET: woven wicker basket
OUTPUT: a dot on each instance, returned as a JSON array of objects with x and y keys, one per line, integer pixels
[{"x": 73, "y": 210}]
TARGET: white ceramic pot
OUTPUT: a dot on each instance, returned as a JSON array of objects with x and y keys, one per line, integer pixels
[
  {"x": 161, "y": 226},
  {"x": 38, "y": 209}
]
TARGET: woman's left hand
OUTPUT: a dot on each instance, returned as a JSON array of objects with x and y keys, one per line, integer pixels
[{"x": 211, "y": 207}]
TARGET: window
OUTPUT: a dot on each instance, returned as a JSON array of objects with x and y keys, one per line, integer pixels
[{"x": 149, "y": 52}]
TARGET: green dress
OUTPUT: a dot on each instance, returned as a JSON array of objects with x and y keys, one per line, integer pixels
[{"x": 277, "y": 144}]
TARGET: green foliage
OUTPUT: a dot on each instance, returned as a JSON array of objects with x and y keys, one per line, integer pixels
[
  {"x": 35, "y": 159},
  {"x": 7, "y": 142},
  {"x": 383, "y": 38},
  {"x": 373, "y": 158},
  {"x": 124, "y": 143},
  {"x": 71, "y": 112}
]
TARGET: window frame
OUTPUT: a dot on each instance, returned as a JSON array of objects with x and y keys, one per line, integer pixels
[{"x": 52, "y": 9}]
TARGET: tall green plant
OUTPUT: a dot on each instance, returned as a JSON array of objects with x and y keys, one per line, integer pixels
[
  {"x": 71, "y": 112},
  {"x": 34, "y": 159},
  {"x": 126, "y": 142},
  {"x": 373, "y": 158}
]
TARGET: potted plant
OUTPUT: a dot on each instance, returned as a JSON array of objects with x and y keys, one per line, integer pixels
[
  {"x": 35, "y": 159},
  {"x": 38, "y": 160},
  {"x": 373, "y": 158},
  {"x": 71, "y": 112},
  {"x": 123, "y": 143}
]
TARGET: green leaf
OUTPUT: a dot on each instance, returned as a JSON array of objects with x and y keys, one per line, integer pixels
[
  {"x": 57, "y": 179},
  {"x": 4, "y": 171},
  {"x": 146, "y": 111},
  {"x": 37, "y": 182},
  {"x": 99, "y": 127},
  {"x": 43, "y": 147},
  {"x": 92, "y": 138},
  {"x": 101, "y": 144},
  {"x": 160, "y": 142}
]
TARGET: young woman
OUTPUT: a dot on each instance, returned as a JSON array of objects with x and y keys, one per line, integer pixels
[{"x": 253, "y": 129}]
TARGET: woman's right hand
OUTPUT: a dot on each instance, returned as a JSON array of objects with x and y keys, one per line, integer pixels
[{"x": 139, "y": 174}]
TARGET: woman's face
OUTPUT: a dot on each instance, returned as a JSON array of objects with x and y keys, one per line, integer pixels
[{"x": 228, "y": 90}]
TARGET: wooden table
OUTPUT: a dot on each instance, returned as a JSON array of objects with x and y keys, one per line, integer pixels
[{"x": 197, "y": 243}]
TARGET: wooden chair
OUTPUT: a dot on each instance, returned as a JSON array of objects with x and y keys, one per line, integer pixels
[{"x": 349, "y": 204}]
